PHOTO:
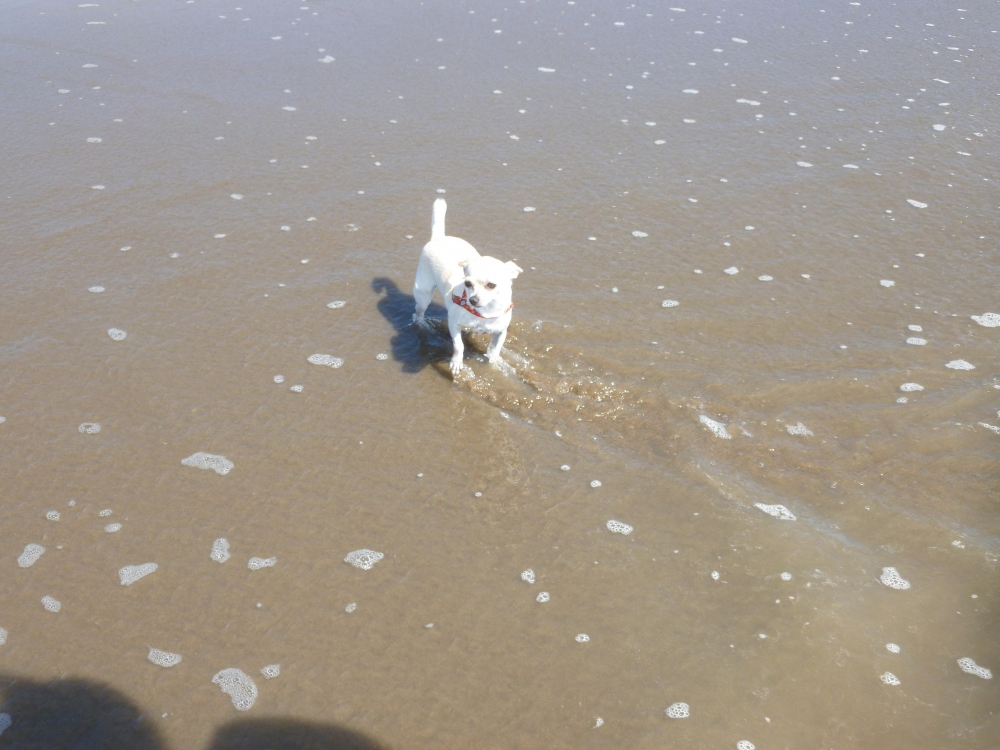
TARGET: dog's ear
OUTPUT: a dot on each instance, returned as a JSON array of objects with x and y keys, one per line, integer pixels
[
  {"x": 464, "y": 265},
  {"x": 513, "y": 268}
]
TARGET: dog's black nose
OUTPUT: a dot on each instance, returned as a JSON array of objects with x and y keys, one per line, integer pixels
[{"x": 474, "y": 300}]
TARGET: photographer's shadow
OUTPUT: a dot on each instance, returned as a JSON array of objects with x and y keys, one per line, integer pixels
[
  {"x": 289, "y": 734},
  {"x": 412, "y": 348}
]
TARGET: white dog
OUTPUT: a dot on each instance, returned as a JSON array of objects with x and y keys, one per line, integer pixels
[{"x": 476, "y": 289}]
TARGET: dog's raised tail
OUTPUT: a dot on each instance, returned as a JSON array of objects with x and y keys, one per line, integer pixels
[{"x": 437, "y": 219}]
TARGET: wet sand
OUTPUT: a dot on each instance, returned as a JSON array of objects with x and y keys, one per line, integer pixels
[{"x": 224, "y": 173}]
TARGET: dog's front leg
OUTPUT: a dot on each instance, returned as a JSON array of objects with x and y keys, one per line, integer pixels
[
  {"x": 459, "y": 348},
  {"x": 493, "y": 350}
]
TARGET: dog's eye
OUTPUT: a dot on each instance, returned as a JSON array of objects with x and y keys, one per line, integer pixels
[
  {"x": 468, "y": 284},
  {"x": 491, "y": 285}
]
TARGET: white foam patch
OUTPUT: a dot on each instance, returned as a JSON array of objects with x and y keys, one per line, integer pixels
[
  {"x": 163, "y": 659},
  {"x": 739, "y": 41},
  {"x": 363, "y": 558},
  {"x": 599, "y": 722},
  {"x": 916, "y": 341},
  {"x": 940, "y": 127},
  {"x": 327, "y": 360},
  {"x": 732, "y": 270},
  {"x": 96, "y": 289},
  {"x": 382, "y": 357},
  {"x": 678, "y": 711},
  {"x": 328, "y": 59},
  {"x": 219, "y": 464},
  {"x": 582, "y": 638},
  {"x": 745, "y": 745},
  {"x": 336, "y": 304},
  {"x": 786, "y": 576},
  {"x": 112, "y": 528},
  {"x": 988, "y": 320},
  {"x": 803, "y": 164},
  {"x": 528, "y": 576},
  {"x": 992, "y": 427},
  {"x": 798, "y": 429},
  {"x": 279, "y": 378},
  {"x": 751, "y": 102},
  {"x": 718, "y": 429},
  {"x": 543, "y": 596},
  {"x": 765, "y": 277},
  {"x": 117, "y": 334},
  {"x": 132, "y": 573},
  {"x": 351, "y": 607},
  {"x": 296, "y": 389},
  {"x": 968, "y": 666},
  {"x": 960, "y": 364},
  {"x": 105, "y": 513},
  {"x": 892, "y": 648},
  {"x": 890, "y": 679},
  {"x": 890, "y": 577},
  {"x": 715, "y": 575},
  {"x": 3, "y": 636},
  {"x": 617, "y": 527},
  {"x": 669, "y": 303},
  {"x": 908, "y": 387},
  {"x": 690, "y": 91},
  {"x": 546, "y": 70},
  {"x": 238, "y": 686},
  {"x": 271, "y": 671},
  {"x": 851, "y": 166},
  {"x": 916, "y": 204},
  {"x": 637, "y": 233},
  {"x": 778, "y": 511},
  {"x": 256, "y": 563},
  {"x": 529, "y": 209},
  {"x": 220, "y": 550},
  {"x": 595, "y": 483},
  {"x": 89, "y": 428},
  {"x": 915, "y": 328},
  {"x": 50, "y": 604},
  {"x": 30, "y": 555},
  {"x": 887, "y": 283},
  {"x": 52, "y": 515}
]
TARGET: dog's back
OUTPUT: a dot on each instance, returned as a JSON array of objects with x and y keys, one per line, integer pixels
[{"x": 442, "y": 258}]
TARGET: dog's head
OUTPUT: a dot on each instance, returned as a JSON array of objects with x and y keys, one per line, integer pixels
[{"x": 488, "y": 283}]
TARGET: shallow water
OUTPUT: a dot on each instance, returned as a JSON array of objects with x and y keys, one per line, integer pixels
[{"x": 249, "y": 173}]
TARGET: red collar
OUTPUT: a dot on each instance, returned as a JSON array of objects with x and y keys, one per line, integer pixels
[{"x": 461, "y": 302}]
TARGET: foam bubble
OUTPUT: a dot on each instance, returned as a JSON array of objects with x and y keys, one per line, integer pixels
[
  {"x": 363, "y": 558},
  {"x": 890, "y": 679},
  {"x": 989, "y": 320},
  {"x": 911, "y": 387},
  {"x": 599, "y": 722},
  {"x": 113, "y": 528},
  {"x": 890, "y": 577},
  {"x": 916, "y": 204},
  {"x": 595, "y": 483},
  {"x": 968, "y": 666},
  {"x": 732, "y": 270},
  {"x": 271, "y": 671},
  {"x": 669, "y": 303},
  {"x": 528, "y": 209},
  {"x": 916, "y": 341},
  {"x": 256, "y": 563},
  {"x": 564, "y": 467},
  {"x": 778, "y": 511},
  {"x": 543, "y": 596},
  {"x": 715, "y": 575},
  {"x": 382, "y": 357},
  {"x": 220, "y": 550},
  {"x": 745, "y": 745},
  {"x": 279, "y": 378},
  {"x": 803, "y": 164},
  {"x": 637, "y": 233},
  {"x": 717, "y": 428},
  {"x": 739, "y": 41},
  {"x": 219, "y": 464},
  {"x": 617, "y": 527},
  {"x": 30, "y": 555},
  {"x": 105, "y": 513},
  {"x": 296, "y": 389},
  {"x": 690, "y": 91},
  {"x": 132, "y": 573},
  {"x": 163, "y": 659},
  {"x": 851, "y": 166},
  {"x": 3, "y": 636},
  {"x": 940, "y": 127},
  {"x": 892, "y": 648},
  {"x": 582, "y": 638},
  {"x": 887, "y": 283},
  {"x": 117, "y": 334},
  {"x": 50, "y": 604},
  {"x": 528, "y": 576},
  {"x": 326, "y": 359},
  {"x": 336, "y": 304},
  {"x": 52, "y": 515},
  {"x": 96, "y": 289},
  {"x": 351, "y": 607},
  {"x": 751, "y": 102},
  {"x": 89, "y": 428},
  {"x": 658, "y": 143},
  {"x": 798, "y": 429},
  {"x": 915, "y": 328},
  {"x": 960, "y": 364},
  {"x": 786, "y": 576},
  {"x": 678, "y": 711},
  {"x": 765, "y": 277},
  {"x": 237, "y": 685}
]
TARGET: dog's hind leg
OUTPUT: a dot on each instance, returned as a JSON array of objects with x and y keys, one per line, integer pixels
[{"x": 423, "y": 290}]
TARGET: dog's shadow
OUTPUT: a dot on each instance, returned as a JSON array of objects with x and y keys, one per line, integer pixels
[{"x": 414, "y": 349}]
